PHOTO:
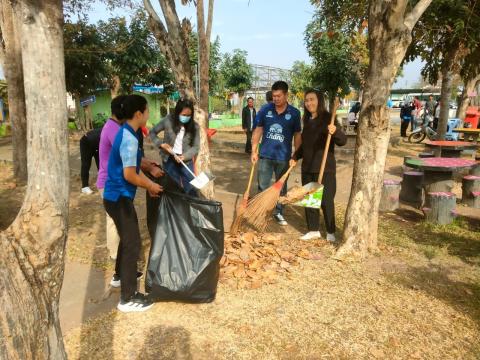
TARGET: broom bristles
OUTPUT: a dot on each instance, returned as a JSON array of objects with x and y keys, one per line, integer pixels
[{"x": 261, "y": 206}]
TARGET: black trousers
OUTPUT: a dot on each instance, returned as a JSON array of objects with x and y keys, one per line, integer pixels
[
  {"x": 403, "y": 128},
  {"x": 125, "y": 218},
  {"x": 87, "y": 152},
  {"x": 328, "y": 207},
  {"x": 248, "y": 144}
]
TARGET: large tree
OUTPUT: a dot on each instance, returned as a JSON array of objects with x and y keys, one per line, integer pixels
[
  {"x": 11, "y": 58},
  {"x": 132, "y": 53},
  {"x": 85, "y": 65},
  {"x": 173, "y": 37},
  {"x": 390, "y": 25},
  {"x": 444, "y": 48},
  {"x": 237, "y": 73},
  {"x": 300, "y": 78},
  {"x": 32, "y": 257},
  {"x": 470, "y": 73}
]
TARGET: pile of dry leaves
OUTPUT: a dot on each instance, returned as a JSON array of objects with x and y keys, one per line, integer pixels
[{"x": 252, "y": 260}]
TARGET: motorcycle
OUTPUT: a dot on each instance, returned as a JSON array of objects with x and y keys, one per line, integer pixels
[{"x": 424, "y": 130}]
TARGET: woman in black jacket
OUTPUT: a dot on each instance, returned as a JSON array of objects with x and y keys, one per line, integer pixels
[{"x": 316, "y": 126}]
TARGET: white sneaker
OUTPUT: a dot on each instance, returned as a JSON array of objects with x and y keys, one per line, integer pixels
[
  {"x": 87, "y": 190},
  {"x": 137, "y": 303},
  {"x": 280, "y": 219},
  {"x": 311, "y": 235},
  {"x": 331, "y": 237}
]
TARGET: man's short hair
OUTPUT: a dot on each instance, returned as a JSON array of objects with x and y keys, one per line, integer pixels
[
  {"x": 280, "y": 85},
  {"x": 269, "y": 96},
  {"x": 250, "y": 98}
]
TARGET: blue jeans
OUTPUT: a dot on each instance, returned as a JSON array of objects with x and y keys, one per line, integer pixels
[
  {"x": 267, "y": 168},
  {"x": 181, "y": 175}
]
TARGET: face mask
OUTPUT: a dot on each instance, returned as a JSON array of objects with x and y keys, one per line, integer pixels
[{"x": 184, "y": 119}]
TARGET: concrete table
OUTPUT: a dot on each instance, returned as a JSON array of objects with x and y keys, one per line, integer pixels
[
  {"x": 468, "y": 133},
  {"x": 450, "y": 149},
  {"x": 438, "y": 171}
]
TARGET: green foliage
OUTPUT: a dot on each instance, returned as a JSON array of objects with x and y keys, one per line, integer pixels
[
  {"x": 346, "y": 15},
  {"x": 99, "y": 120},
  {"x": 300, "y": 77},
  {"x": 132, "y": 52},
  {"x": 334, "y": 66},
  {"x": 446, "y": 26},
  {"x": 237, "y": 73},
  {"x": 85, "y": 68}
]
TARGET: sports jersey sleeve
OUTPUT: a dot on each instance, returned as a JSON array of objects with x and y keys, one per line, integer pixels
[
  {"x": 260, "y": 118},
  {"x": 128, "y": 149}
]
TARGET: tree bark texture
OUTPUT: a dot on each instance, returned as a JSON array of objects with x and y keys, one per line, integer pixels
[
  {"x": 115, "y": 86},
  {"x": 32, "y": 257},
  {"x": 446, "y": 90},
  {"x": 468, "y": 87},
  {"x": 81, "y": 119},
  {"x": 389, "y": 36},
  {"x": 172, "y": 39},
  {"x": 13, "y": 71},
  {"x": 204, "y": 51}
]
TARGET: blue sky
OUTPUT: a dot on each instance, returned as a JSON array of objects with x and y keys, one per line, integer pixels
[{"x": 271, "y": 31}]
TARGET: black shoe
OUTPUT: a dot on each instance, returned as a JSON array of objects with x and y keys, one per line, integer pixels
[
  {"x": 138, "y": 302},
  {"x": 115, "y": 282}
]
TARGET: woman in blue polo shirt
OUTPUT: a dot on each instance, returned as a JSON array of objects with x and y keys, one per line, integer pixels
[{"x": 123, "y": 178}]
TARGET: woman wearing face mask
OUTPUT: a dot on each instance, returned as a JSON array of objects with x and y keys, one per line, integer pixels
[
  {"x": 182, "y": 138},
  {"x": 316, "y": 127}
]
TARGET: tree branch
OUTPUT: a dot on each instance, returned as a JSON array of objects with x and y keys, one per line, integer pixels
[
  {"x": 151, "y": 11},
  {"x": 414, "y": 15},
  {"x": 209, "y": 22}
]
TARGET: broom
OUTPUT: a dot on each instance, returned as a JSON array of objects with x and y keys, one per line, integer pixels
[
  {"x": 243, "y": 205},
  {"x": 260, "y": 207}
]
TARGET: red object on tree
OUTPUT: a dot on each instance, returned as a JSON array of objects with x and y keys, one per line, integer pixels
[{"x": 210, "y": 133}]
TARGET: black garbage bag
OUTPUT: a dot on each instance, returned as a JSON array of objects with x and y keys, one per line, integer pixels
[{"x": 187, "y": 245}]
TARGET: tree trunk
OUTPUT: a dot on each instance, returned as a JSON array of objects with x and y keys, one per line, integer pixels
[
  {"x": 32, "y": 257},
  {"x": 173, "y": 44},
  {"x": 389, "y": 36},
  {"x": 446, "y": 90},
  {"x": 468, "y": 87},
  {"x": 115, "y": 86},
  {"x": 204, "y": 52},
  {"x": 81, "y": 122},
  {"x": 12, "y": 66},
  {"x": 88, "y": 117}
]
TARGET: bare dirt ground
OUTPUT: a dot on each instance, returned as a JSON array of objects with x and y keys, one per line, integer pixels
[{"x": 417, "y": 298}]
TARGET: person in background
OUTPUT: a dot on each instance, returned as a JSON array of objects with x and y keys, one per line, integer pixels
[
  {"x": 389, "y": 103},
  {"x": 316, "y": 127},
  {"x": 406, "y": 116},
  {"x": 416, "y": 114},
  {"x": 107, "y": 137},
  {"x": 123, "y": 178},
  {"x": 353, "y": 114},
  {"x": 181, "y": 142},
  {"x": 278, "y": 124},
  {"x": 248, "y": 117},
  {"x": 89, "y": 144},
  {"x": 430, "y": 105},
  {"x": 269, "y": 99}
]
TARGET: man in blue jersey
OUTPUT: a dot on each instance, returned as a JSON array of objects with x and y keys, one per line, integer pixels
[{"x": 278, "y": 123}]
